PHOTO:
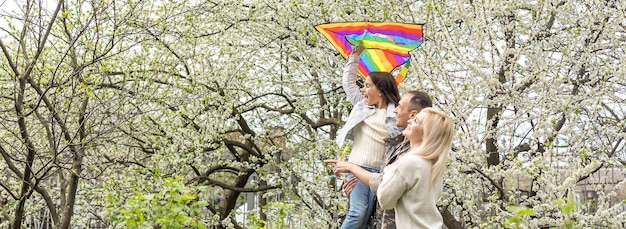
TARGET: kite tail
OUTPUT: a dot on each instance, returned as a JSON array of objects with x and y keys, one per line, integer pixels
[{"x": 404, "y": 69}]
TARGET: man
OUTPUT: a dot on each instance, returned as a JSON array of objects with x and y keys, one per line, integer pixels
[{"x": 410, "y": 104}]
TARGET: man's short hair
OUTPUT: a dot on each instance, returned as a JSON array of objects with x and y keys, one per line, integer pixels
[{"x": 419, "y": 100}]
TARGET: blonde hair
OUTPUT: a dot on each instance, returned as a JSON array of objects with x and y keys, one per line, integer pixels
[{"x": 436, "y": 141}]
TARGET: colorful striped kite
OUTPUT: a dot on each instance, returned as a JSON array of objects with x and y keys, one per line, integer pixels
[{"x": 387, "y": 44}]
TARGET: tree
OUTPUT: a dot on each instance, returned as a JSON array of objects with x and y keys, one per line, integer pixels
[
  {"x": 224, "y": 99},
  {"x": 230, "y": 105},
  {"x": 59, "y": 114},
  {"x": 536, "y": 88}
]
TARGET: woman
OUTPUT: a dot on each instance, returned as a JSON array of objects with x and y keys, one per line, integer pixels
[
  {"x": 371, "y": 121},
  {"x": 413, "y": 184}
]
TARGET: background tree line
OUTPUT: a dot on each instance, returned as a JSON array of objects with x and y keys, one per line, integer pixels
[{"x": 122, "y": 113}]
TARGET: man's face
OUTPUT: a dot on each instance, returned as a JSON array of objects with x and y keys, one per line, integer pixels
[{"x": 402, "y": 111}]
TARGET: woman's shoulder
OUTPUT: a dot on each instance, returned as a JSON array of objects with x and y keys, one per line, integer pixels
[{"x": 415, "y": 162}]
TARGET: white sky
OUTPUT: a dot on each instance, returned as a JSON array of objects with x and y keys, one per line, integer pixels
[{"x": 7, "y": 7}]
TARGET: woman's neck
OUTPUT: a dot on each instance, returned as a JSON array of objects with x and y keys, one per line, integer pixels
[
  {"x": 416, "y": 143},
  {"x": 381, "y": 105}
]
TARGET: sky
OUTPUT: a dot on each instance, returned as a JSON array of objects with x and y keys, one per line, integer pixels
[{"x": 7, "y": 7}]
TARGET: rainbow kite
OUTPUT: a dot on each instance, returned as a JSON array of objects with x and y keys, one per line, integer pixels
[{"x": 387, "y": 44}]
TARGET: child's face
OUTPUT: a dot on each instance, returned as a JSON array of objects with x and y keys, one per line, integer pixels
[{"x": 373, "y": 95}]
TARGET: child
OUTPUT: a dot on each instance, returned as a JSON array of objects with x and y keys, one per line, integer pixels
[{"x": 371, "y": 121}]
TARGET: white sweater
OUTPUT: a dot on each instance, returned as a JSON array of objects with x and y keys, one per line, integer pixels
[
  {"x": 368, "y": 147},
  {"x": 406, "y": 187}
]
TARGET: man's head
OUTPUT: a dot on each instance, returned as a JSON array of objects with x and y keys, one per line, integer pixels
[{"x": 410, "y": 104}]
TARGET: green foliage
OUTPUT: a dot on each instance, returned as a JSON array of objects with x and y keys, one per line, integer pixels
[
  {"x": 256, "y": 222},
  {"x": 520, "y": 214},
  {"x": 282, "y": 210},
  {"x": 175, "y": 206},
  {"x": 518, "y": 218},
  {"x": 567, "y": 210},
  {"x": 278, "y": 213}
]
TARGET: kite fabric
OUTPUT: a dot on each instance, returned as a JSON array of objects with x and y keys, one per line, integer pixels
[{"x": 387, "y": 44}]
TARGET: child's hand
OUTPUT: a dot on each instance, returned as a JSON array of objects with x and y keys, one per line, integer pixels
[{"x": 359, "y": 48}]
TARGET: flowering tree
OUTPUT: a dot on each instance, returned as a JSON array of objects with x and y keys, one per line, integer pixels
[
  {"x": 536, "y": 88},
  {"x": 201, "y": 104},
  {"x": 60, "y": 114},
  {"x": 237, "y": 105}
]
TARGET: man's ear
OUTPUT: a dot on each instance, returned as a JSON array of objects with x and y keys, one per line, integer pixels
[{"x": 413, "y": 113}]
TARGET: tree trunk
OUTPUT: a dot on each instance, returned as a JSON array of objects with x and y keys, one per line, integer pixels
[
  {"x": 30, "y": 158},
  {"x": 493, "y": 157},
  {"x": 77, "y": 164},
  {"x": 450, "y": 221}
]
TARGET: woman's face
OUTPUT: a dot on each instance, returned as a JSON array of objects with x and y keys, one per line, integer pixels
[
  {"x": 373, "y": 96},
  {"x": 414, "y": 130}
]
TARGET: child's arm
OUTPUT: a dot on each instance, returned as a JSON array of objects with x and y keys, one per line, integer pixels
[{"x": 350, "y": 76}]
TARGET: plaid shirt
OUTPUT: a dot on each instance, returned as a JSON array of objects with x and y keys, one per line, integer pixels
[{"x": 394, "y": 147}]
